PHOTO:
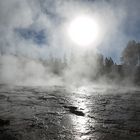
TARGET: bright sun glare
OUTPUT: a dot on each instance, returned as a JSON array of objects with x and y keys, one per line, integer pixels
[{"x": 83, "y": 30}]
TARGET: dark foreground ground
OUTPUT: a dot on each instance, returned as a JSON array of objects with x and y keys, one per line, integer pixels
[{"x": 58, "y": 113}]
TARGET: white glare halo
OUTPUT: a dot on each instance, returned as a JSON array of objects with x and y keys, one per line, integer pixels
[{"x": 83, "y": 30}]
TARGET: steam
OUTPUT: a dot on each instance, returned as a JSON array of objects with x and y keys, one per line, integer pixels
[{"x": 24, "y": 60}]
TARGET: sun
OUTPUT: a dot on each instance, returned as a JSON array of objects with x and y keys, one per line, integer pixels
[{"x": 83, "y": 30}]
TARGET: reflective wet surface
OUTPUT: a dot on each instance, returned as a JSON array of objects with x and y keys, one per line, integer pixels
[{"x": 60, "y": 113}]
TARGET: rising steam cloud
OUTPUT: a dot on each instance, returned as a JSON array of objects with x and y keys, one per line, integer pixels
[{"x": 33, "y": 31}]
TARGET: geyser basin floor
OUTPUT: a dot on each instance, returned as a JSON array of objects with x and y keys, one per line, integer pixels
[{"x": 33, "y": 113}]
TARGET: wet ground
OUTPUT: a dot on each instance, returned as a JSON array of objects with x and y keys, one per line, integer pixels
[{"x": 59, "y": 113}]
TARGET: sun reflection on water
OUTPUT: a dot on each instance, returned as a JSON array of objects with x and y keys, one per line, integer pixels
[{"x": 81, "y": 124}]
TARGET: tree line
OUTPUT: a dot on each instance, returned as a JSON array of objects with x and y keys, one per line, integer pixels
[
  {"x": 99, "y": 66},
  {"x": 95, "y": 66}
]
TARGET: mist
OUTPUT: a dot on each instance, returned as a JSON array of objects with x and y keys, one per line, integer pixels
[
  {"x": 35, "y": 47},
  {"x": 69, "y": 69}
]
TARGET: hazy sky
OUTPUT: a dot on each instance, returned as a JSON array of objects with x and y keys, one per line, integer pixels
[{"x": 37, "y": 27}]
